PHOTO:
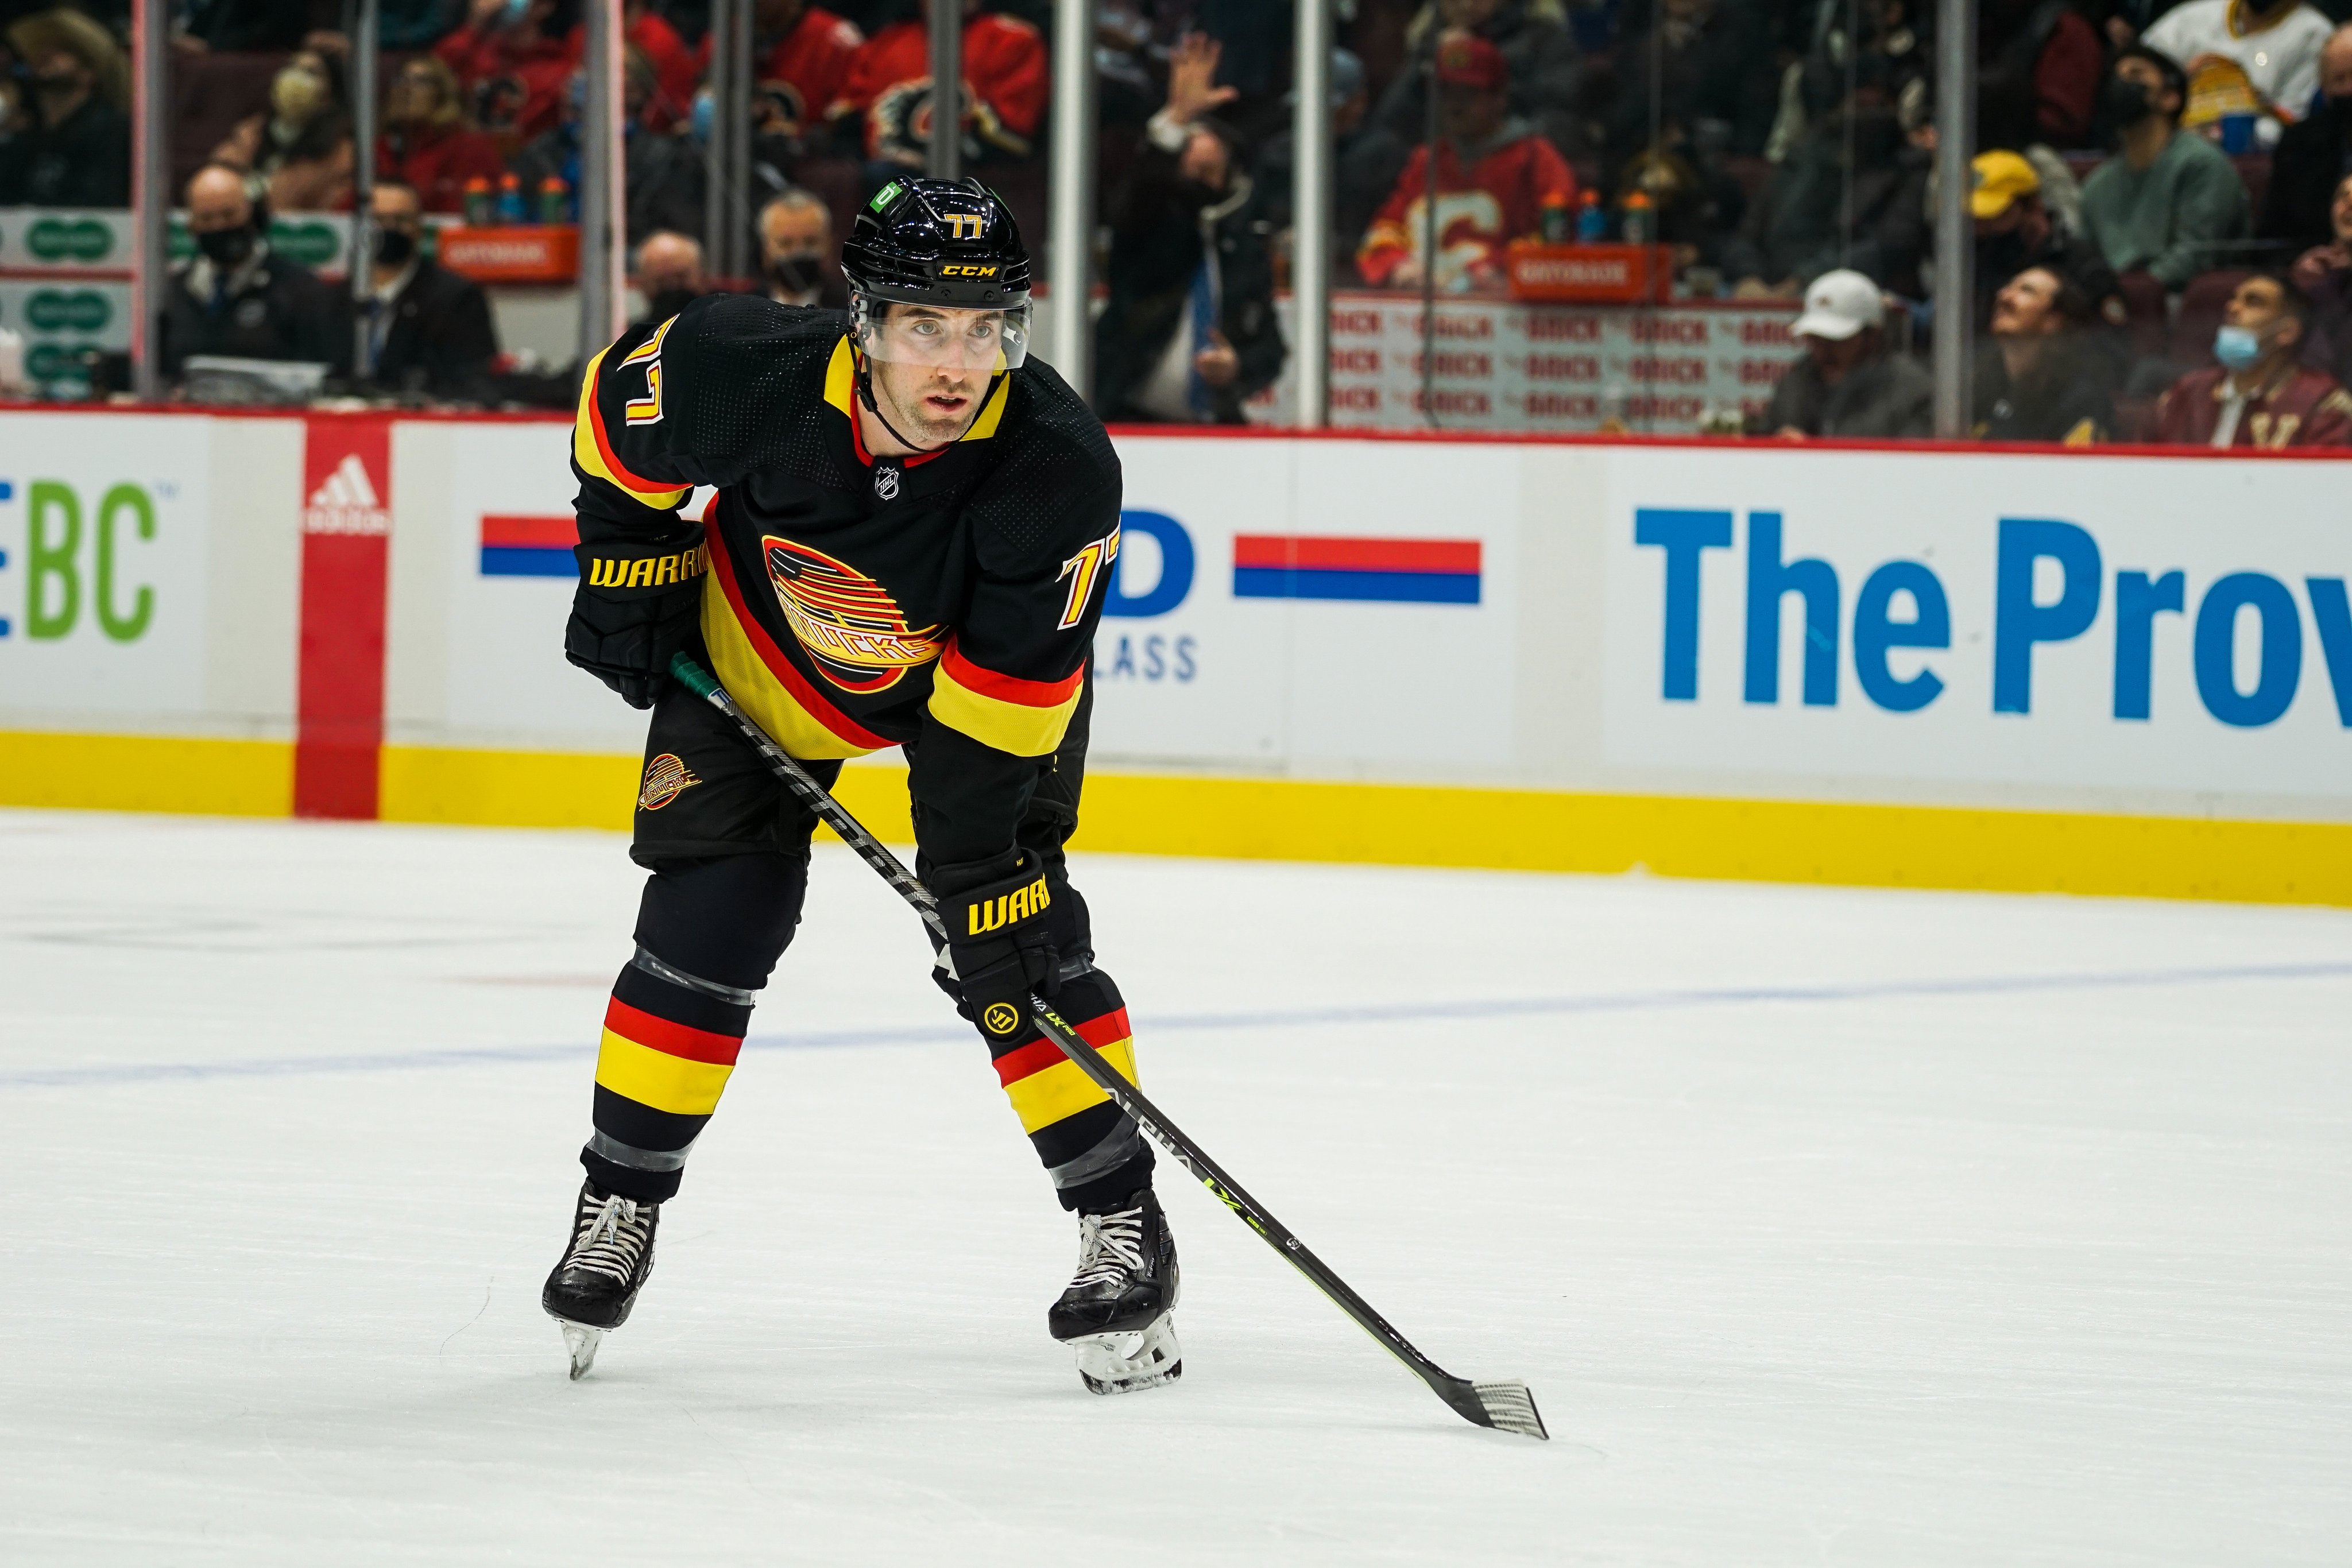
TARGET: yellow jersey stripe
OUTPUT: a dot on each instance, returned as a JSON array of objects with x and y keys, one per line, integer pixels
[
  {"x": 1044, "y": 1098},
  {"x": 654, "y": 1078},
  {"x": 747, "y": 679},
  {"x": 587, "y": 452},
  {"x": 1016, "y": 727}
]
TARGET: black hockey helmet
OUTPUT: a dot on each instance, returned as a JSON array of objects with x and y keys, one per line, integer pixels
[{"x": 952, "y": 244}]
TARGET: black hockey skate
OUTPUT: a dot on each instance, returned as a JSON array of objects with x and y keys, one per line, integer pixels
[
  {"x": 592, "y": 1291},
  {"x": 1116, "y": 1312}
]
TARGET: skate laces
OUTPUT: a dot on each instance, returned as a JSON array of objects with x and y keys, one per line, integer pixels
[
  {"x": 613, "y": 1236},
  {"x": 1109, "y": 1246}
]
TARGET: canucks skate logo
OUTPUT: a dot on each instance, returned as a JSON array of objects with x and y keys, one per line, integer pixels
[
  {"x": 666, "y": 778},
  {"x": 853, "y": 631}
]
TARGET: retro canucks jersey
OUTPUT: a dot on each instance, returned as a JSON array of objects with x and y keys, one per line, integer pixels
[{"x": 945, "y": 601}]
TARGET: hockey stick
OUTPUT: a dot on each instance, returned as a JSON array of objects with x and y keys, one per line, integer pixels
[{"x": 1506, "y": 1406}]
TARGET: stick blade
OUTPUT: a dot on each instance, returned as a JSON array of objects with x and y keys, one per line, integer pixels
[{"x": 1509, "y": 1408}]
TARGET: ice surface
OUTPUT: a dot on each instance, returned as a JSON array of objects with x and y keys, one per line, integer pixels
[{"x": 1837, "y": 1226}]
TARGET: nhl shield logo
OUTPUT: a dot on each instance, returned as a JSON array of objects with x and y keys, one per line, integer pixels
[{"x": 886, "y": 481}]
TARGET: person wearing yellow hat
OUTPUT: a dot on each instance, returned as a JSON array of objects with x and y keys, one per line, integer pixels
[
  {"x": 77, "y": 153},
  {"x": 2016, "y": 229}
]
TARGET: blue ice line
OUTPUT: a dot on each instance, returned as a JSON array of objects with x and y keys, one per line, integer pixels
[{"x": 1393, "y": 1012}]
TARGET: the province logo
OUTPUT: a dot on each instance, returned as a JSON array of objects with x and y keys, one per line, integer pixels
[
  {"x": 854, "y": 631},
  {"x": 666, "y": 778}
]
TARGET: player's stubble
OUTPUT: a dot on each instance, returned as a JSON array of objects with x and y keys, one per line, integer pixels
[{"x": 934, "y": 404}]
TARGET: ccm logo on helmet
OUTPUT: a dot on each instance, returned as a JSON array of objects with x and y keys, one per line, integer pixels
[{"x": 967, "y": 272}]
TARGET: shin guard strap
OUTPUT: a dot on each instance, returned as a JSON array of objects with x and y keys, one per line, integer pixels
[{"x": 676, "y": 977}]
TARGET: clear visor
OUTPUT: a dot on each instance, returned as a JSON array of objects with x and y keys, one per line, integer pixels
[{"x": 945, "y": 335}]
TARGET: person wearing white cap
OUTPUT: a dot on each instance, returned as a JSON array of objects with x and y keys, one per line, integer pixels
[{"x": 1847, "y": 385}]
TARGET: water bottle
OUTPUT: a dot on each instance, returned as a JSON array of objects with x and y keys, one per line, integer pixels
[
  {"x": 478, "y": 206},
  {"x": 1591, "y": 221},
  {"x": 554, "y": 200},
  {"x": 1639, "y": 224},
  {"x": 1554, "y": 224},
  {"x": 511, "y": 207}
]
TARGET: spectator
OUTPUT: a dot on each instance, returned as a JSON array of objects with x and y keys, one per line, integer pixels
[
  {"x": 1356, "y": 195},
  {"x": 2314, "y": 156},
  {"x": 1710, "y": 61},
  {"x": 302, "y": 147},
  {"x": 1697, "y": 203},
  {"x": 1191, "y": 331},
  {"x": 675, "y": 67},
  {"x": 2170, "y": 200},
  {"x": 669, "y": 274},
  {"x": 239, "y": 26},
  {"x": 238, "y": 296},
  {"x": 1005, "y": 72},
  {"x": 2324, "y": 273},
  {"x": 796, "y": 252},
  {"x": 2276, "y": 47},
  {"x": 802, "y": 55},
  {"x": 664, "y": 177},
  {"x": 426, "y": 143},
  {"x": 1847, "y": 383},
  {"x": 2015, "y": 230},
  {"x": 1494, "y": 177},
  {"x": 510, "y": 66},
  {"x": 1853, "y": 195},
  {"x": 1538, "y": 54},
  {"x": 2258, "y": 396},
  {"x": 2038, "y": 379},
  {"x": 2039, "y": 64},
  {"x": 429, "y": 331},
  {"x": 74, "y": 149}
]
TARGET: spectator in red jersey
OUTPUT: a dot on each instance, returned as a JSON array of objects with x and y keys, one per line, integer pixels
[
  {"x": 802, "y": 56},
  {"x": 1005, "y": 83},
  {"x": 512, "y": 68},
  {"x": 426, "y": 143},
  {"x": 2258, "y": 396},
  {"x": 1495, "y": 176},
  {"x": 676, "y": 67}
]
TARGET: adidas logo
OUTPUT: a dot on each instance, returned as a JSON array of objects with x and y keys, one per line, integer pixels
[{"x": 346, "y": 503}]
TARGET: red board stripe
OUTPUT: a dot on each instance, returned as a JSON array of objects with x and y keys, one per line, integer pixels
[
  {"x": 1282, "y": 551},
  {"x": 1008, "y": 688},
  {"x": 339, "y": 678},
  {"x": 671, "y": 1039},
  {"x": 502, "y": 530},
  {"x": 1102, "y": 1033}
]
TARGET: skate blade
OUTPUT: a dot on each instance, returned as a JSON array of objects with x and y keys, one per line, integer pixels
[
  {"x": 580, "y": 1343},
  {"x": 1130, "y": 1362}
]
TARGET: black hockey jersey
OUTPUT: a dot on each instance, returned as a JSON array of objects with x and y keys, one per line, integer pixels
[{"x": 945, "y": 601}]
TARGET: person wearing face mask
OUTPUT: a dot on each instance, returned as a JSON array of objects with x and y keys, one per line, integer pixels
[
  {"x": 2258, "y": 396},
  {"x": 238, "y": 297},
  {"x": 2313, "y": 156},
  {"x": 796, "y": 253},
  {"x": 429, "y": 331},
  {"x": 76, "y": 150},
  {"x": 1191, "y": 332},
  {"x": 302, "y": 147},
  {"x": 2169, "y": 201},
  {"x": 669, "y": 274}
]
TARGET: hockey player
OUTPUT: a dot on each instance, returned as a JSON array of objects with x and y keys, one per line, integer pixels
[{"x": 909, "y": 546}]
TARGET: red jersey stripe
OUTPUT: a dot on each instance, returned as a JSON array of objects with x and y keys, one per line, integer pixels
[
  {"x": 1009, "y": 688},
  {"x": 671, "y": 1039},
  {"x": 1282, "y": 552},
  {"x": 604, "y": 449}
]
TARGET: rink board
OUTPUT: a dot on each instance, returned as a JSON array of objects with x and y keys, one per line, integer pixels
[{"x": 2115, "y": 672}]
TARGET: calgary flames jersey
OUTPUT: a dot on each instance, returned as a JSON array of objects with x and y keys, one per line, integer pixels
[{"x": 944, "y": 602}]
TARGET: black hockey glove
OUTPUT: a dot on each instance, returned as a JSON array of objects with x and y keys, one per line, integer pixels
[
  {"x": 637, "y": 604},
  {"x": 1001, "y": 948}
]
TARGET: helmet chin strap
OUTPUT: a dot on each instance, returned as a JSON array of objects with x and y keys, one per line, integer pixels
[{"x": 865, "y": 396}]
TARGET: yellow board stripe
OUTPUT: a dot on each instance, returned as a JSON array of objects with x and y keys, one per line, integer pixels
[
  {"x": 654, "y": 1078},
  {"x": 1045, "y": 1097},
  {"x": 1016, "y": 727}
]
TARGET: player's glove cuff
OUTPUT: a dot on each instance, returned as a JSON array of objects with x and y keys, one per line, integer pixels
[
  {"x": 1002, "y": 950},
  {"x": 636, "y": 605},
  {"x": 615, "y": 568}
]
